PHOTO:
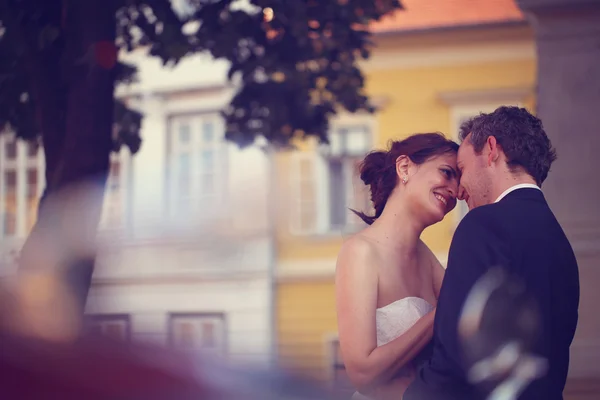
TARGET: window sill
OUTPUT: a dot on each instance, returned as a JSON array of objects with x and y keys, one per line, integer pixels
[{"x": 329, "y": 235}]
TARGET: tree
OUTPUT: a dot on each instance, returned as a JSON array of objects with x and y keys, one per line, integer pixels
[{"x": 294, "y": 63}]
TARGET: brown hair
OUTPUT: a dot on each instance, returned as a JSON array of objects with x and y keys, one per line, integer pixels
[
  {"x": 521, "y": 136},
  {"x": 378, "y": 169}
]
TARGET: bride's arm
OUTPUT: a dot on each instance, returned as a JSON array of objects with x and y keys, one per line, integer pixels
[{"x": 356, "y": 296}]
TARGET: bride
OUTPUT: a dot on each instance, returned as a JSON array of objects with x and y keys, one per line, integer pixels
[{"x": 387, "y": 279}]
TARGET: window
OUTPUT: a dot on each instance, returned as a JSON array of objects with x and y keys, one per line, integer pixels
[
  {"x": 328, "y": 183},
  {"x": 21, "y": 184},
  {"x": 113, "y": 326},
  {"x": 339, "y": 378},
  {"x": 197, "y": 161},
  {"x": 204, "y": 333},
  {"x": 114, "y": 207}
]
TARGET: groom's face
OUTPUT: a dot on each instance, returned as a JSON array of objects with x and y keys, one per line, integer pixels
[{"x": 474, "y": 180}]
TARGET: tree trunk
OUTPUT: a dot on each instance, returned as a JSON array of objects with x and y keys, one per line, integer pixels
[
  {"x": 89, "y": 124},
  {"x": 77, "y": 160}
]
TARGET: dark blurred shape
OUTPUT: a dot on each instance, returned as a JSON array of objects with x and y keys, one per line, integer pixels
[
  {"x": 97, "y": 369},
  {"x": 93, "y": 368},
  {"x": 498, "y": 328}
]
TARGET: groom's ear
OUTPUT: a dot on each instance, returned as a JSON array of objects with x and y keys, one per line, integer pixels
[
  {"x": 402, "y": 165},
  {"x": 493, "y": 150}
]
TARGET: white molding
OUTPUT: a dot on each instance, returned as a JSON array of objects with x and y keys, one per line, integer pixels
[
  {"x": 176, "y": 278},
  {"x": 306, "y": 269},
  {"x": 444, "y": 54},
  {"x": 323, "y": 268},
  {"x": 362, "y": 118},
  {"x": 471, "y": 98}
]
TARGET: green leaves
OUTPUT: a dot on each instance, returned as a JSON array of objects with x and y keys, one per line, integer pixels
[
  {"x": 279, "y": 61},
  {"x": 294, "y": 62},
  {"x": 126, "y": 128}
]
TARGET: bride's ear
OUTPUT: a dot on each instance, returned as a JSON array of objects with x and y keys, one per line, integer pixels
[{"x": 402, "y": 164}]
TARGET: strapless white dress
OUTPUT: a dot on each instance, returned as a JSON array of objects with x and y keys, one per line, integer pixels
[{"x": 395, "y": 319}]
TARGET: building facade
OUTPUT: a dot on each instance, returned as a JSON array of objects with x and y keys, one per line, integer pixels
[
  {"x": 185, "y": 251},
  {"x": 193, "y": 267},
  {"x": 435, "y": 64}
]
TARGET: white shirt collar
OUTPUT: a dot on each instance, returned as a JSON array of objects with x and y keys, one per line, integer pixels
[{"x": 513, "y": 188}]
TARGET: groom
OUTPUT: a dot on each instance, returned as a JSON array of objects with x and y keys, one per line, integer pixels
[{"x": 503, "y": 159}]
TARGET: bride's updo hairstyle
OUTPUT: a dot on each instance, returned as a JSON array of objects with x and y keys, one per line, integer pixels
[{"x": 378, "y": 169}]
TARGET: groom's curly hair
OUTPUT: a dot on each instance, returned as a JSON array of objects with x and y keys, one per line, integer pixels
[{"x": 520, "y": 135}]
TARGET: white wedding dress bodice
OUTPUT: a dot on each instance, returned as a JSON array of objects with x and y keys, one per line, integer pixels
[{"x": 395, "y": 319}]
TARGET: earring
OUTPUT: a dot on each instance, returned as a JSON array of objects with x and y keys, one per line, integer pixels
[{"x": 404, "y": 180}]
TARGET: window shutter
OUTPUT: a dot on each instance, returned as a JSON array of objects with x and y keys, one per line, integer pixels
[
  {"x": 114, "y": 204},
  {"x": 360, "y": 196},
  {"x": 304, "y": 203}
]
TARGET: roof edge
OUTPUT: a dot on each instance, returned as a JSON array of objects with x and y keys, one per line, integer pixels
[{"x": 452, "y": 28}]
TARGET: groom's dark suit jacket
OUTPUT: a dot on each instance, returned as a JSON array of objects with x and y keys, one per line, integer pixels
[{"x": 521, "y": 234}]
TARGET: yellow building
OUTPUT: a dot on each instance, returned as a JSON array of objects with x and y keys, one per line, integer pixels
[{"x": 434, "y": 65}]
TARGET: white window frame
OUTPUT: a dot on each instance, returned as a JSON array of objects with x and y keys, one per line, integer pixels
[
  {"x": 123, "y": 181},
  {"x": 459, "y": 113},
  {"x": 103, "y": 321},
  {"x": 20, "y": 165},
  {"x": 317, "y": 156},
  {"x": 219, "y": 322},
  {"x": 202, "y": 206},
  {"x": 318, "y": 170}
]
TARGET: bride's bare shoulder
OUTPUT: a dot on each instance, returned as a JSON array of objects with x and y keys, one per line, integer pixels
[
  {"x": 357, "y": 250},
  {"x": 356, "y": 265}
]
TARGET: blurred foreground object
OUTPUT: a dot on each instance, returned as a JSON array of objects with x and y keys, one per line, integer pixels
[
  {"x": 47, "y": 302},
  {"x": 97, "y": 369},
  {"x": 45, "y": 353},
  {"x": 498, "y": 327}
]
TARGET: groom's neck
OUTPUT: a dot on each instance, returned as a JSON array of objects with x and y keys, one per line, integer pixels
[{"x": 504, "y": 183}]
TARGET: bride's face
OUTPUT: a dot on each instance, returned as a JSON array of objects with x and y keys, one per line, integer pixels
[{"x": 432, "y": 187}]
